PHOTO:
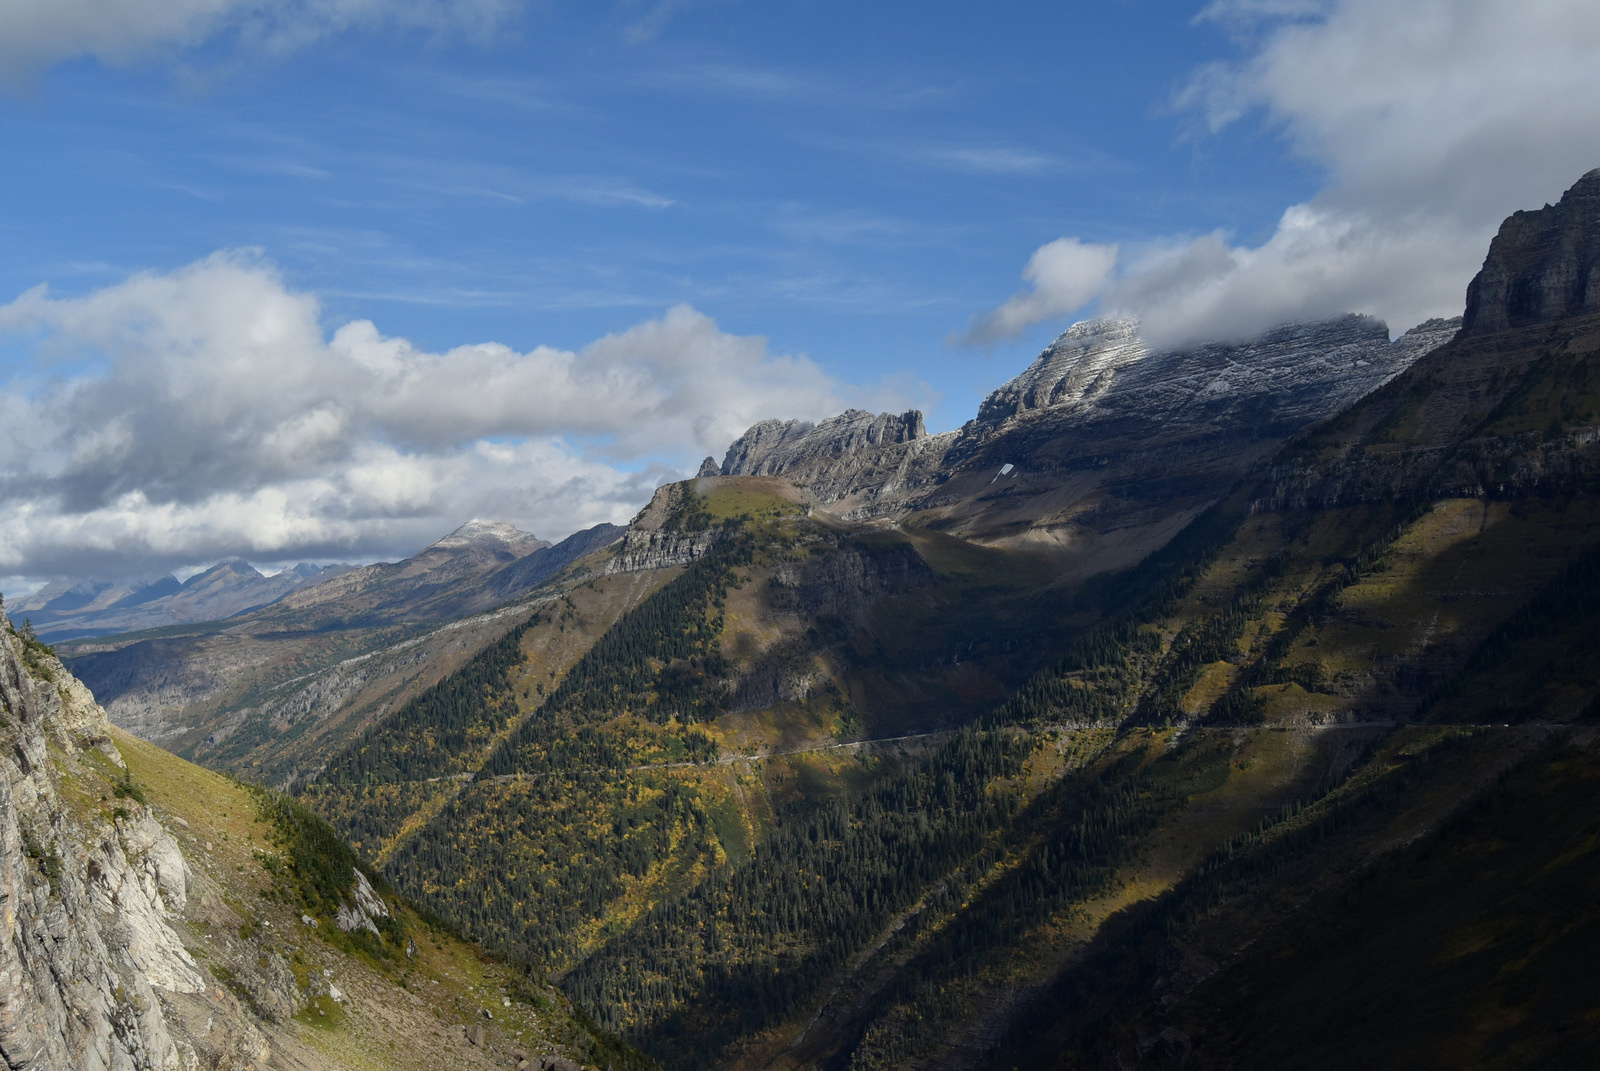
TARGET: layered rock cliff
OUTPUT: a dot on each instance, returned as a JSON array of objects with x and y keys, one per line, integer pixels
[
  {"x": 1099, "y": 432},
  {"x": 1542, "y": 266}
]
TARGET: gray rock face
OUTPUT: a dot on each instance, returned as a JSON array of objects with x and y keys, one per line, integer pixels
[
  {"x": 90, "y": 970},
  {"x": 873, "y": 462},
  {"x": 367, "y": 907},
  {"x": 1077, "y": 368},
  {"x": 1543, "y": 265},
  {"x": 772, "y": 447},
  {"x": 664, "y": 533},
  {"x": 1096, "y": 407},
  {"x": 1097, "y": 381}
]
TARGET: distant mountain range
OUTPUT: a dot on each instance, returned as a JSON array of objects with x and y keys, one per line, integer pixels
[
  {"x": 477, "y": 565},
  {"x": 71, "y": 609}
]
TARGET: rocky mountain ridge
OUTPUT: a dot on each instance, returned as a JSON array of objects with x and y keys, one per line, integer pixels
[{"x": 1101, "y": 449}]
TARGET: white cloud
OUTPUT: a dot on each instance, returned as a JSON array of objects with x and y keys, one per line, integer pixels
[
  {"x": 1434, "y": 119},
  {"x": 1066, "y": 275},
  {"x": 181, "y": 417},
  {"x": 41, "y": 32},
  {"x": 1318, "y": 263}
]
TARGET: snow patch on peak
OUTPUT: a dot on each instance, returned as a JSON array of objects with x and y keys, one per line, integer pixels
[
  {"x": 488, "y": 535},
  {"x": 1075, "y": 369}
]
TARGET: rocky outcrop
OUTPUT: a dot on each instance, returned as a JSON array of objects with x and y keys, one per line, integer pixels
[
  {"x": 774, "y": 447},
  {"x": 92, "y": 975},
  {"x": 667, "y": 532},
  {"x": 865, "y": 464},
  {"x": 1076, "y": 369},
  {"x": 363, "y": 910},
  {"x": 1543, "y": 265},
  {"x": 1169, "y": 430}
]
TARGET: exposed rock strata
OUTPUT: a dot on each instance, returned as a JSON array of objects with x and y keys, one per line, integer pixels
[
  {"x": 664, "y": 534},
  {"x": 1098, "y": 434},
  {"x": 92, "y": 975},
  {"x": 1543, "y": 265}
]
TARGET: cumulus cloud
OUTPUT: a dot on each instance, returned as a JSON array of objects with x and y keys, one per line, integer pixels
[
  {"x": 1066, "y": 275},
  {"x": 41, "y": 32},
  {"x": 182, "y": 417},
  {"x": 1433, "y": 119}
]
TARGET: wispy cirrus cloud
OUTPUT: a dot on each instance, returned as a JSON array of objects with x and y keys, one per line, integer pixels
[
  {"x": 656, "y": 17},
  {"x": 994, "y": 160},
  {"x": 810, "y": 88},
  {"x": 39, "y": 33}
]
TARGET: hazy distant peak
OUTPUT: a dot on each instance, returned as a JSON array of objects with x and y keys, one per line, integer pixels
[
  {"x": 490, "y": 535},
  {"x": 226, "y": 567}
]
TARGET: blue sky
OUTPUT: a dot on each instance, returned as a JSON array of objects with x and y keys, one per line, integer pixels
[
  {"x": 852, "y": 181},
  {"x": 860, "y": 185}
]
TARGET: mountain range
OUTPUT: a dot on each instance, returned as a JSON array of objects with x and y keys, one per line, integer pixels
[
  {"x": 1090, "y": 459},
  {"x": 1229, "y": 706},
  {"x": 63, "y": 610}
]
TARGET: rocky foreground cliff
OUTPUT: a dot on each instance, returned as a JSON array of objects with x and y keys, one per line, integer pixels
[
  {"x": 156, "y": 915},
  {"x": 91, "y": 973}
]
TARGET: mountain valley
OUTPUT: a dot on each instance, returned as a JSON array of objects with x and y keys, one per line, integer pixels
[{"x": 1232, "y": 705}]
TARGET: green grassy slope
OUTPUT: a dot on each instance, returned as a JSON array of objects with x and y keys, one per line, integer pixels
[{"x": 402, "y": 998}]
